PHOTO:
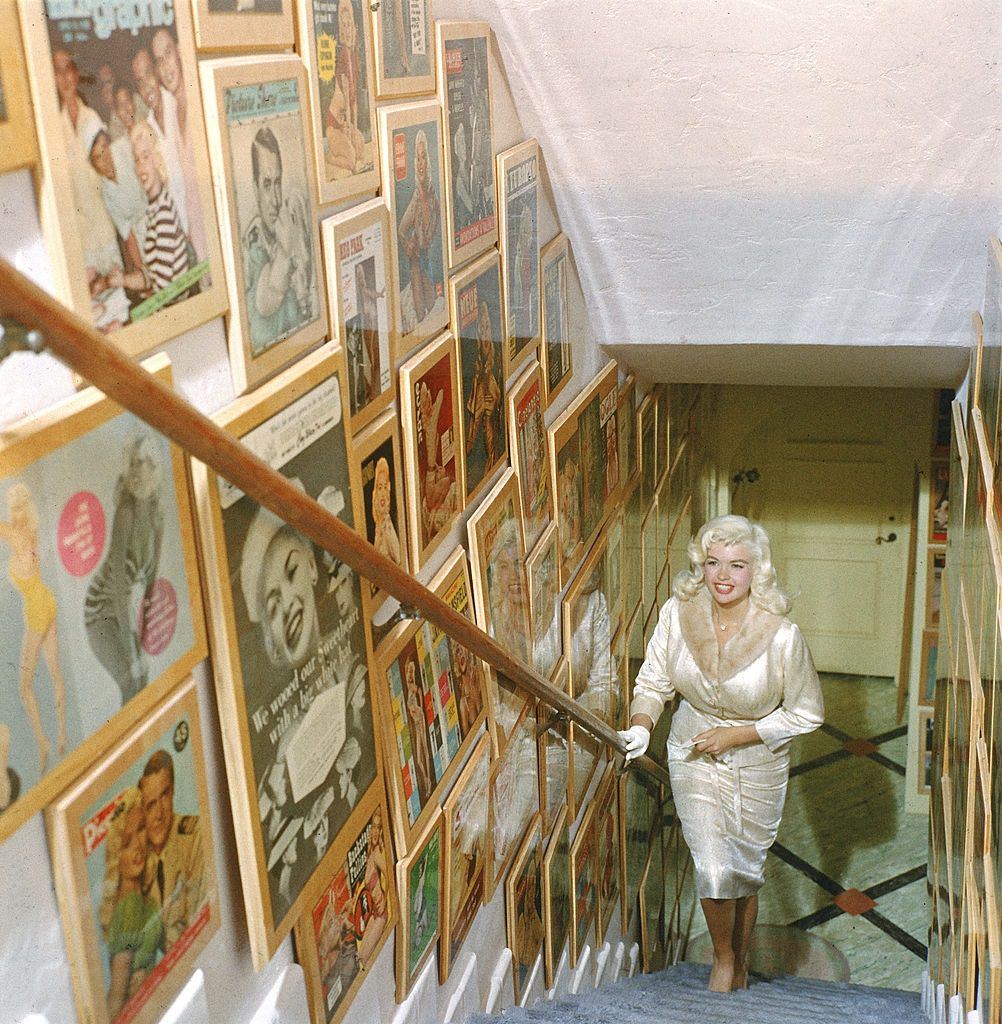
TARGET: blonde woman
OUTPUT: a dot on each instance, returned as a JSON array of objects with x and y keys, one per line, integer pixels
[
  {"x": 723, "y": 643},
  {"x": 39, "y": 607}
]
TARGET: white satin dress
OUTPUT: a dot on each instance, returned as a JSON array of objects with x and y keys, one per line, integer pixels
[{"x": 729, "y": 807}]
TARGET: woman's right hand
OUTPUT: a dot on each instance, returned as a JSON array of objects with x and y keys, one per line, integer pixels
[{"x": 637, "y": 738}]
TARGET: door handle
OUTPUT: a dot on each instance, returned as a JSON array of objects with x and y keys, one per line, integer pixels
[{"x": 889, "y": 539}]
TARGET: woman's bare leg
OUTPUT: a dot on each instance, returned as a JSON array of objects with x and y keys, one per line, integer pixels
[
  {"x": 745, "y": 912},
  {"x": 720, "y": 919},
  {"x": 50, "y": 651},
  {"x": 30, "y": 647}
]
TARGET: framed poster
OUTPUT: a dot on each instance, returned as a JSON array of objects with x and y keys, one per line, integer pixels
[
  {"x": 477, "y": 320},
  {"x": 530, "y": 453},
  {"x": 256, "y": 118},
  {"x": 419, "y": 882},
  {"x": 647, "y": 437},
  {"x": 134, "y": 867},
  {"x": 410, "y": 139},
  {"x": 514, "y": 794},
  {"x": 629, "y": 462},
  {"x": 555, "y": 353},
  {"x": 607, "y": 866},
  {"x": 551, "y": 749},
  {"x": 939, "y": 502},
  {"x": 927, "y": 667},
  {"x": 18, "y": 144},
  {"x": 433, "y": 458},
  {"x": 582, "y": 885},
  {"x": 243, "y": 24},
  {"x": 335, "y": 41},
  {"x": 565, "y": 468},
  {"x": 518, "y": 199},
  {"x": 376, "y": 453},
  {"x": 361, "y": 297},
  {"x": 401, "y": 30},
  {"x": 556, "y": 895},
  {"x": 464, "y": 90},
  {"x": 290, "y": 651},
  {"x": 542, "y": 574},
  {"x": 934, "y": 587},
  {"x": 100, "y": 607},
  {"x": 598, "y": 432},
  {"x": 125, "y": 243},
  {"x": 467, "y": 854},
  {"x": 497, "y": 554},
  {"x": 524, "y": 908},
  {"x": 338, "y": 940}
]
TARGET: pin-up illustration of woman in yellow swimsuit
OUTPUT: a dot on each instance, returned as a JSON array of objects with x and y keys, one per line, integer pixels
[{"x": 39, "y": 606}]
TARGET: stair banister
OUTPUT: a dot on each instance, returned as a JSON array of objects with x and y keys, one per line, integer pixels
[{"x": 82, "y": 348}]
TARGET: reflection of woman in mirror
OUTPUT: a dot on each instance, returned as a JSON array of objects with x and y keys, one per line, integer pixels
[
  {"x": 748, "y": 686},
  {"x": 115, "y": 607},
  {"x": 39, "y": 607},
  {"x": 133, "y": 930}
]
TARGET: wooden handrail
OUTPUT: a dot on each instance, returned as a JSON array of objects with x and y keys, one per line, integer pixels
[{"x": 74, "y": 341}]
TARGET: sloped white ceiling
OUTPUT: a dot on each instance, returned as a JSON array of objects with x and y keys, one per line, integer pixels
[{"x": 756, "y": 175}]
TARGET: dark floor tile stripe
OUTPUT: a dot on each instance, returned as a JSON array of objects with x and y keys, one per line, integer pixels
[
  {"x": 818, "y": 917},
  {"x": 817, "y": 877},
  {"x": 897, "y": 882},
  {"x": 819, "y": 762},
  {"x": 891, "y": 734},
  {"x": 836, "y": 732},
  {"x": 897, "y": 933},
  {"x": 887, "y": 763}
]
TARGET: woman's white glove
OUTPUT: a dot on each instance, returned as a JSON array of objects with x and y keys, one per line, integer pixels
[{"x": 636, "y": 738}]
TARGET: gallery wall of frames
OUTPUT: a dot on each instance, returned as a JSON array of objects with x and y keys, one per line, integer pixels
[{"x": 221, "y": 750}]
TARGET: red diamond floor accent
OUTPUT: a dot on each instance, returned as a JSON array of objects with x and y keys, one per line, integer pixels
[
  {"x": 861, "y": 748},
  {"x": 854, "y": 902}
]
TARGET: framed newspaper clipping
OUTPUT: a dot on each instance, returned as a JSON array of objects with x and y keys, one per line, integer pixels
[
  {"x": 256, "y": 114},
  {"x": 419, "y": 882},
  {"x": 243, "y": 24},
  {"x": 18, "y": 144},
  {"x": 100, "y": 607},
  {"x": 464, "y": 90},
  {"x": 518, "y": 199},
  {"x": 126, "y": 202},
  {"x": 555, "y": 353},
  {"x": 134, "y": 867},
  {"x": 362, "y": 303},
  {"x": 290, "y": 651},
  {"x": 404, "y": 45},
  {"x": 335, "y": 41}
]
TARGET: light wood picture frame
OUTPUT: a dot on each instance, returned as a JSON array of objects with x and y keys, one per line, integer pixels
[
  {"x": 934, "y": 587},
  {"x": 349, "y": 922},
  {"x": 404, "y": 45},
  {"x": 584, "y": 755},
  {"x": 607, "y": 851},
  {"x": 430, "y": 412},
  {"x": 518, "y": 206},
  {"x": 542, "y": 571},
  {"x": 361, "y": 297},
  {"x": 530, "y": 455},
  {"x": 647, "y": 449},
  {"x": 229, "y": 25},
  {"x": 376, "y": 454},
  {"x": 551, "y": 735},
  {"x": 132, "y": 851},
  {"x": 662, "y": 458},
  {"x": 928, "y": 667},
  {"x": 258, "y": 129},
  {"x": 477, "y": 321},
  {"x": 629, "y": 460},
  {"x": 924, "y": 751},
  {"x": 291, "y": 662},
  {"x": 599, "y": 445},
  {"x": 497, "y": 557},
  {"x": 96, "y": 520},
  {"x": 18, "y": 142},
  {"x": 939, "y": 501},
  {"x": 565, "y": 482},
  {"x": 555, "y": 351},
  {"x": 335, "y": 41},
  {"x": 140, "y": 291},
  {"x": 410, "y": 155},
  {"x": 650, "y": 563},
  {"x": 556, "y": 895},
  {"x": 419, "y": 884},
  {"x": 582, "y": 885},
  {"x": 615, "y": 568},
  {"x": 524, "y": 908},
  {"x": 467, "y": 845},
  {"x": 638, "y": 803},
  {"x": 463, "y": 52}
]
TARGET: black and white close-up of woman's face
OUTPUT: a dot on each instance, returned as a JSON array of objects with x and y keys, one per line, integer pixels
[{"x": 287, "y": 599}]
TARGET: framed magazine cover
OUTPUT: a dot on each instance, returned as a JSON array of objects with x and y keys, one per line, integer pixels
[
  {"x": 556, "y": 895},
  {"x": 555, "y": 352},
  {"x": 934, "y": 587},
  {"x": 582, "y": 885},
  {"x": 927, "y": 667},
  {"x": 565, "y": 469},
  {"x": 524, "y": 908},
  {"x": 258, "y": 129},
  {"x": 376, "y": 453},
  {"x": 467, "y": 855},
  {"x": 542, "y": 572},
  {"x": 18, "y": 144},
  {"x": 135, "y": 253},
  {"x": 410, "y": 139},
  {"x": 290, "y": 651},
  {"x": 134, "y": 867},
  {"x": 340, "y": 936},
  {"x": 598, "y": 431},
  {"x": 402, "y": 33},
  {"x": 100, "y": 607},
  {"x": 335, "y": 41},
  {"x": 464, "y": 91},
  {"x": 530, "y": 455},
  {"x": 361, "y": 298},
  {"x": 497, "y": 555},
  {"x": 477, "y": 319},
  {"x": 639, "y": 799},
  {"x": 607, "y": 850},
  {"x": 243, "y": 24},
  {"x": 629, "y": 463},
  {"x": 518, "y": 201},
  {"x": 430, "y": 412},
  {"x": 419, "y": 883},
  {"x": 939, "y": 502}
]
